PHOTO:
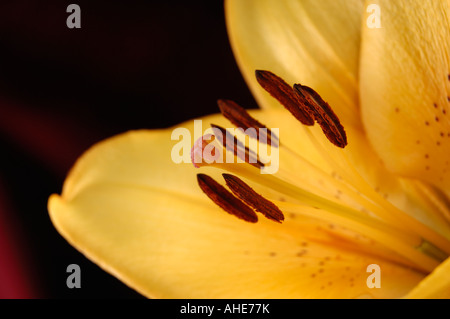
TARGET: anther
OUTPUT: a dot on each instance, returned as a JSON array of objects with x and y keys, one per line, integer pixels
[
  {"x": 232, "y": 144},
  {"x": 240, "y": 118},
  {"x": 224, "y": 199},
  {"x": 323, "y": 114},
  {"x": 284, "y": 93},
  {"x": 253, "y": 199}
]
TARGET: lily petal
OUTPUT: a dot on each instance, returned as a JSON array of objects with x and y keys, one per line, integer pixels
[
  {"x": 312, "y": 42},
  {"x": 141, "y": 217},
  {"x": 434, "y": 286},
  {"x": 405, "y": 89}
]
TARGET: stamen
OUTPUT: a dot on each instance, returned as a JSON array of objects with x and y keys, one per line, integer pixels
[
  {"x": 232, "y": 144},
  {"x": 402, "y": 243},
  {"x": 240, "y": 118},
  {"x": 250, "y": 197},
  {"x": 323, "y": 114},
  {"x": 361, "y": 209},
  {"x": 284, "y": 93},
  {"x": 226, "y": 200}
]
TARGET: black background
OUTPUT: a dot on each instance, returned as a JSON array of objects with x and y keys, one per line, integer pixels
[{"x": 132, "y": 65}]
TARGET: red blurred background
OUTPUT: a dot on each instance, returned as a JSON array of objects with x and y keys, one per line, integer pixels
[{"x": 132, "y": 65}]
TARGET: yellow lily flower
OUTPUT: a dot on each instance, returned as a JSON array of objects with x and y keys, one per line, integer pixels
[{"x": 382, "y": 200}]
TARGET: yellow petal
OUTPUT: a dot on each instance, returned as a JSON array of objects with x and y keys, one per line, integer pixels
[
  {"x": 142, "y": 218},
  {"x": 434, "y": 286},
  {"x": 360, "y": 166},
  {"x": 312, "y": 42},
  {"x": 389, "y": 186},
  {"x": 405, "y": 88}
]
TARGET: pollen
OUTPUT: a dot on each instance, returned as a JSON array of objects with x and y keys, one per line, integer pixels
[
  {"x": 224, "y": 199},
  {"x": 253, "y": 199},
  {"x": 232, "y": 144},
  {"x": 284, "y": 93},
  {"x": 241, "y": 119},
  {"x": 323, "y": 114}
]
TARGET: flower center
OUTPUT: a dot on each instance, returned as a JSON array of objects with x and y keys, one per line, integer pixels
[{"x": 355, "y": 210}]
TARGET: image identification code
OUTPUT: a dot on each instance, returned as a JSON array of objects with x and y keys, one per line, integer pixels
[{"x": 234, "y": 308}]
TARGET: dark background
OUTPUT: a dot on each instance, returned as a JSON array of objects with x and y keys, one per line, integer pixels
[{"x": 132, "y": 65}]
